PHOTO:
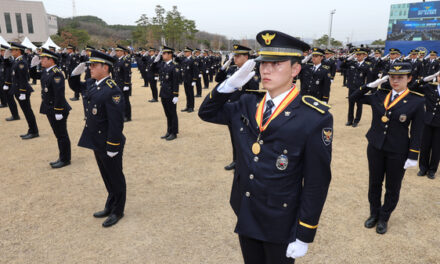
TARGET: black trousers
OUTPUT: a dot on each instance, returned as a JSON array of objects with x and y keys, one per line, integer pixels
[
  {"x": 171, "y": 114},
  {"x": 234, "y": 152},
  {"x": 59, "y": 128},
  {"x": 12, "y": 104},
  {"x": 114, "y": 180},
  {"x": 205, "y": 79},
  {"x": 127, "y": 108},
  {"x": 389, "y": 166},
  {"x": 189, "y": 92},
  {"x": 25, "y": 106},
  {"x": 3, "y": 95},
  {"x": 259, "y": 252},
  {"x": 211, "y": 75},
  {"x": 199, "y": 86},
  {"x": 430, "y": 149},
  {"x": 351, "y": 109},
  {"x": 73, "y": 84},
  {"x": 153, "y": 85}
]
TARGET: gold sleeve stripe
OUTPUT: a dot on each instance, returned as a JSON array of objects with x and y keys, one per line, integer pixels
[
  {"x": 23, "y": 90},
  {"x": 308, "y": 226},
  {"x": 59, "y": 109},
  {"x": 415, "y": 151},
  {"x": 113, "y": 144}
]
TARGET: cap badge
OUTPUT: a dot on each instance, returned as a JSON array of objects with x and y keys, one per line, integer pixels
[
  {"x": 268, "y": 38},
  {"x": 397, "y": 67}
]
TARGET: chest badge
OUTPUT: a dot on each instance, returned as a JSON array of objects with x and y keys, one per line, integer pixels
[
  {"x": 282, "y": 162},
  {"x": 286, "y": 113},
  {"x": 327, "y": 136},
  {"x": 402, "y": 118},
  {"x": 94, "y": 111}
]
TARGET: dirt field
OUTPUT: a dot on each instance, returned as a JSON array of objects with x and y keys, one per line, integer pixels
[{"x": 177, "y": 207}]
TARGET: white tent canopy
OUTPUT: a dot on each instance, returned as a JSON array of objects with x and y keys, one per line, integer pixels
[
  {"x": 27, "y": 43},
  {"x": 49, "y": 42},
  {"x": 4, "y": 42}
]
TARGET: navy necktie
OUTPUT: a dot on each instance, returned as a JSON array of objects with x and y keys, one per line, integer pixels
[
  {"x": 394, "y": 97},
  {"x": 268, "y": 112}
]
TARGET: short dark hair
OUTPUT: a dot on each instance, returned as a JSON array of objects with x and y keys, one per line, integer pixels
[{"x": 294, "y": 60}]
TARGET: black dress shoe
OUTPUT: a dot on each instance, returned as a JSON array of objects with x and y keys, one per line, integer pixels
[
  {"x": 153, "y": 101},
  {"x": 74, "y": 99},
  {"x": 381, "y": 227},
  {"x": 198, "y": 95},
  {"x": 355, "y": 124},
  {"x": 205, "y": 87},
  {"x": 165, "y": 136},
  {"x": 12, "y": 118},
  {"x": 349, "y": 123},
  {"x": 431, "y": 175},
  {"x": 60, "y": 164},
  {"x": 24, "y": 135},
  {"x": 111, "y": 220},
  {"x": 185, "y": 110},
  {"x": 230, "y": 166},
  {"x": 29, "y": 136},
  {"x": 371, "y": 222},
  {"x": 103, "y": 213},
  {"x": 190, "y": 110},
  {"x": 53, "y": 162},
  {"x": 421, "y": 173},
  {"x": 171, "y": 137}
]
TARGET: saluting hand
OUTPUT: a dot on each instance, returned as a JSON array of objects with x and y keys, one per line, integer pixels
[
  {"x": 239, "y": 78},
  {"x": 378, "y": 82}
]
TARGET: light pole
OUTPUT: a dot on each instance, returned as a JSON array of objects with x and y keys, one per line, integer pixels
[{"x": 330, "y": 28}]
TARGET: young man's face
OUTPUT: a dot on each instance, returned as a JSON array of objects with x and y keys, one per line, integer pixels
[
  {"x": 360, "y": 57},
  {"x": 433, "y": 56},
  {"x": 328, "y": 55},
  {"x": 240, "y": 59},
  {"x": 166, "y": 56},
  {"x": 278, "y": 74},
  {"x": 119, "y": 53},
  {"x": 46, "y": 62},
  {"x": 69, "y": 51},
  {"x": 98, "y": 70},
  {"x": 316, "y": 59},
  {"x": 377, "y": 55},
  {"x": 15, "y": 53},
  {"x": 394, "y": 56},
  {"x": 187, "y": 53}
]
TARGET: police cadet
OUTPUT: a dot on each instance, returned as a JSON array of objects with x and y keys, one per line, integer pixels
[
  {"x": 21, "y": 88},
  {"x": 54, "y": 105},
  {"x": 393, "y": 139},
  {"x": 3, "y": 93},
  {"x": 169, "y": 89},
  {"x": 240, "y": 56},
  {"x": 8, "y": 61},
  {"x": 359, "y": 72},
  {"x": 199, "y": 63},
  {"x": 284, "y": 146},
  {"x": 152, "y": 76},
  {"x": 432, "y": 65},
  {"x": 190, "y": 71},
  {"x": 72, "y": 60},
  {"x": 103, "y": 133},
  {"x": 331, "y": 62},
  {"x": 205, "y": 66},
  {"x": 316, "y": 78},
  {"x": 122, "y": 77},
  {"x": 430, "y": 147},
  {"x": 417, "y": 68}
]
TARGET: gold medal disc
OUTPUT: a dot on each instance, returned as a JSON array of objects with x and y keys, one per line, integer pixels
[
  {"x": 256, "y": 148},
  {"x": 385, "y": 119}
]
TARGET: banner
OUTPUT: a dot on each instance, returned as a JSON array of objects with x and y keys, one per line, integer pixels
[
  {"x": 427, "y": 9},
  {"x": 406, "y": 46}
]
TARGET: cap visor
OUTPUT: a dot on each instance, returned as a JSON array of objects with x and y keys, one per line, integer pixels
[{"x": 272, "y": 58}]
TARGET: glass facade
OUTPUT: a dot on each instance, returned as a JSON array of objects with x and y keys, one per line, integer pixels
[
  {"x": 30, "y": 23},
  {"x": 8, "y": 23},
  {"x": 19, "y": 23}
]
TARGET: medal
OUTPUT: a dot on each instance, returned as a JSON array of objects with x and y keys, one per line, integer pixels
[
  {"x": 256, "y": 148},
  {"x": 385, "y": 119},
  {"x": 387, "y": 105}
]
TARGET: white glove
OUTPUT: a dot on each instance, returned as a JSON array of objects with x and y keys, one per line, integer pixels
[
  {"x": 380, "y": 75},
  {"x": 180, "y": 54},
  {"x": 385, "y": 57},
  {"x": 410, "y": 163},
  {"x": 427, "y": 57},
  {"x": 239, "y": 78},
  {"x": 297, "y": 249},
  {"x": 306, "y": 59},
  {"x": 22, "y": 97},
  {"x": 156, "y": 78},
  {"x": 227, "y": 63},
  {"x": 82, "y": 67},
  {"x": 378, "y": 82},
  {"x": 351, "y": 57},
  {"x": 193, "y": 84},
  {"x": 175, "y": 99},
  {"x": 158, "y": 57},
  {"x": 126, "y": 88},
  {"x": 426, "y": 79},
  {"x": 207, "y": 71},
  {"x": 5, "y": 87},
  {"x": 200, "y": 76},
  {"x": 111, "y": 154},
  {"x": 407, "y": 57},
  {"x": 83, "y": 53},
  {"x": 58, "y": 116}
]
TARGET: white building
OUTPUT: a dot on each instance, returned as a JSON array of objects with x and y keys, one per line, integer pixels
[{"x": 20, "y": 19}]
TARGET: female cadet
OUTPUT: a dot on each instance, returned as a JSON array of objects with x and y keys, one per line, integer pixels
[{"x": 391, "y": 149}]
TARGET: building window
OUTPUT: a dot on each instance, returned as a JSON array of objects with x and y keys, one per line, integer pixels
[
  {"x": 19, "y": 23},
  {"x": 30, "y": 23},
  {"x": 8, "y": 23}
]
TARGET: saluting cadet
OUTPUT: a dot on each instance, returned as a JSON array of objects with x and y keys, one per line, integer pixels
[
  {"x": 72, "y": 60},
  {"x": 199, "y": 63},
  {"x": 190, "y": 71},
  {"x": 205, "y": 66},
  {"x": 284, "y": 146},
  {"x": 21, "y": 88},
  {"x": 240, "y": 56},
  {"x": 417, "y": 68},
  {"x": 432, "y": 65},
  {"x": 152, "y": 76},
  {"x": 359, "y": 72},
  {"x": 169, "y": 89},
  {"x": 122, "y": 77},
  {"x": 316, "y": 78},
  {"x": 430, "y": 147},
  {"x": 3, "y": 93},
  {"x": 393, "y": 139},
  {"x": 54, "y": 105},
  {"x": 103, "y": 133},
  {"x": 331, "y": 62}
]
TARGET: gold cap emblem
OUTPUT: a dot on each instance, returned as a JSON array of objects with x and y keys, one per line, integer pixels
[{"x": 268, "y": 38}]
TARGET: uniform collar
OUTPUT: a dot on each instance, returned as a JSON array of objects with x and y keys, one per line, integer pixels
[
  {"x": 100, "y": 81},
  {"x": 48, "y": 69},
  {"x": 278, "y": 99}
]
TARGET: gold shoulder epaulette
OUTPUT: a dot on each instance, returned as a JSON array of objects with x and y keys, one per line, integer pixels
[
  {"x": 416, "y": 93},
  {"x": 325, "y": 67},
  {"x": 316, "y": 104},
  {"x": 110, "y": 83},
  {"x": 368, "y": 62}
]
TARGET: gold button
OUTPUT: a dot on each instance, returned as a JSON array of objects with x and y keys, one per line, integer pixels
[
  {"x": 251, "y": 176},
  {"x": 248, "y": 194}
]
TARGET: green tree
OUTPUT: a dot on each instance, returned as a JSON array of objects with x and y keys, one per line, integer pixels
[
  {"x": 323, "y": 41},
  {"x": 74, "y": 36},
  {"x": 378, "y": 42}
]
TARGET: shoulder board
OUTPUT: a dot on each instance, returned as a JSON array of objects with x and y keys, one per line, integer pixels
[
  {"x": 325, "y": 67},
  {"x": 368, "y": 62},
  {"x": 175, "y": 63},
  {"x": 55, "y": 69},
  {"x": 418, "y": 94},
  {"x": 316, "y": 104},
  {"x": 434, "y": 83},
  {"x": 110, "y": 83}
]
